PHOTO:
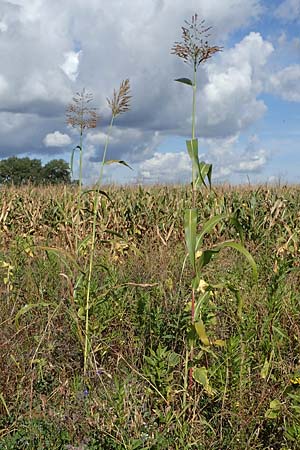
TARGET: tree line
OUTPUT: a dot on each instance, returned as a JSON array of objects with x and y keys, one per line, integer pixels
[{"x": 19, "y": 171}]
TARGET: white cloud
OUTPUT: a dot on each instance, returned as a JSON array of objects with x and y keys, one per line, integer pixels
[
  {"x": 3, "y": 26},
  {"x": 3, "y": 85},
  {"x": 71, "y": 64},
  {"x": 230, "y": 95},
  {"x": 130, "y": 39},
  {"x": 166, "y": 167},
  {"x": 288, "y": 10},
  {"x": 57, "y": 139},
  {"x": 286, "y": 83}
]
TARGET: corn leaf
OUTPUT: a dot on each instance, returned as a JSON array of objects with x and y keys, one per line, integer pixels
[
  {"x": 240, "y": 248},
  {"x": 207, "y": 227}
]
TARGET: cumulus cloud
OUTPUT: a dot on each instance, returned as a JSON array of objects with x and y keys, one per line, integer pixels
[
  {"x": 132, "y": 144},
  {"x": 166, "y": 168},
  {"x": 229, "y": 158},
  {"x": 231, "y": 101},
  {"x": 286, "y": 83},
  {"x": 129, "y": 39},
  {"x": 57, "y": 139}
]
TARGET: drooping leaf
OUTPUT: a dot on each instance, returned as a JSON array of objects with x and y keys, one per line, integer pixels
[
  {"x": 98, "y": 191},
  {"x": 27, "y": 308},
  {"x": 201, "y": 331},
  {"x": 205, "y": 171},
  {"x": 240, "y": 248},
  {"x": 62, "y": 255},
  {"x": 206, "y": 256},
  {"x": 190, "y": 227},
  {"x": 72, "y": 157},
  {"x": 185, "y": 81},
  {"x": 192, "y": 148},
  {"x": 201, "y": 377},
  {"x": 207, "y": 227},
  {"x": 117, "y": 161}
]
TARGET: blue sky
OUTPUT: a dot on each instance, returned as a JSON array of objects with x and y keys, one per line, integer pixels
[{"x": 248, "y": 99}]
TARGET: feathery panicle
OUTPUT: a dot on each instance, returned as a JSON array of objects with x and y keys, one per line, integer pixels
[
  {"x": 79, "y": 113},
  {"x": 194, "y": 48},
  {"x": 120, "y": 101}
]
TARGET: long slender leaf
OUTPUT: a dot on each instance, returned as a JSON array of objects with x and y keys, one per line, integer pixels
[
  {"x": 27, "y": 308},
  {"x": 240, "y": 248},
  {"x": 207, "y": 227},
  {"x": 117, "y": 161}
]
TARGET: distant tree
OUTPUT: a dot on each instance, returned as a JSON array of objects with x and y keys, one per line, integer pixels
[
  {"x": 56, "y": 171},
  {"x": 20, "y": 171}
]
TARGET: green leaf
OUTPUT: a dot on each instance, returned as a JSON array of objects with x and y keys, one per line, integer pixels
[
  {"x": 62, "y": 255},
  {"x": 117, "y": 161},
  {"x": 190, "y": 227},
  {"x": 199, "y": 303},
  {"x": 207, "y": 227},
  {"x": 185, "y": 81},
  {"x": 206, "y": 256},
  {"x": 27, "y": 308},
  {"x": 72, "y": 157},
  {"x": 200, "y": 329},
  {"x": 192, "y": 148},
  {"x": 240, "y": 248},
  {"x": 204, "y": 170},
  {"x": 200, "y": 376},
  {"x": 274, "y": 409}
]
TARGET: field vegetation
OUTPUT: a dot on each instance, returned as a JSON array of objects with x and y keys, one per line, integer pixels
[
  {"x": 133, "y": 395},
  {"x": 149, "y": 318}
]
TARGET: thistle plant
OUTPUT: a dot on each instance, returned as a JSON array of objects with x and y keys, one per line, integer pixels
[
  {"x": 194, "y": 49},
  {"x": 119, "y": 104}
]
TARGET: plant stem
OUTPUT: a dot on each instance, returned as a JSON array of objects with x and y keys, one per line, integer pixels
[
  {"x": 92, "y": 254},
  {"x": 79, "y": 190},
  {"x": 193, "y": 132}
]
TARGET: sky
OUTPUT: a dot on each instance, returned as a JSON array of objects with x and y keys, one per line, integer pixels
[{"x": 248, "y": 97}]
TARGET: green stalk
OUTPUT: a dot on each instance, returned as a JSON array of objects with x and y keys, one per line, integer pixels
[
  {"x": 79, "y": 189},
  {"x": 92, "y": 254},
  {"x": 193, "y": 130},
  {"x": 194, "y": 101}
]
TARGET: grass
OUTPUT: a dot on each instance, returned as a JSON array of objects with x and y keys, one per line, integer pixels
[{"x": 132, "y": 395}]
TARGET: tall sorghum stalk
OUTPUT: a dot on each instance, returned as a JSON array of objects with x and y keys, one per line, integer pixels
[
  {"x": 81, "y": 115},
  {"x": 119, "y": 104},
  {"x": 194, "y": 50}
]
